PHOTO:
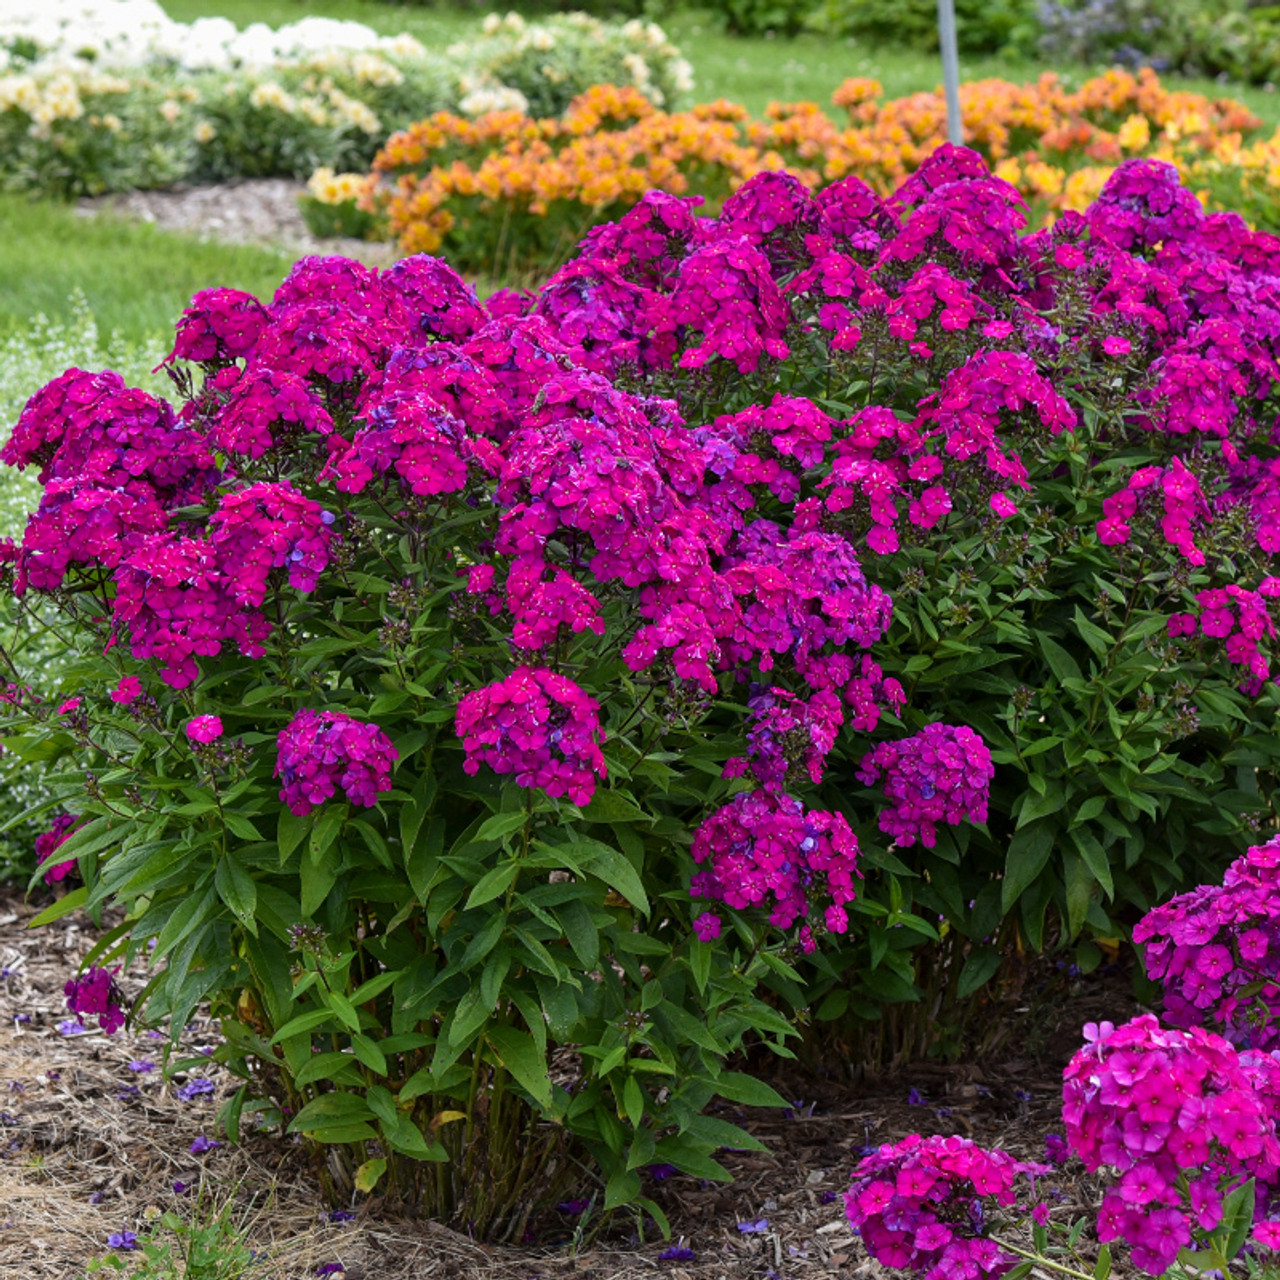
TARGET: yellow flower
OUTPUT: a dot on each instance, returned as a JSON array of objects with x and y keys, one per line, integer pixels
[{"x": 1134, "y": 134}]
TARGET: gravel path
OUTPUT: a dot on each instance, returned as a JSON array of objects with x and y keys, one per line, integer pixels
[{"x": 258, "y": 211}]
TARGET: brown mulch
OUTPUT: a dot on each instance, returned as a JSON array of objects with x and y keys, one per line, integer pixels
[
  {"x": 89, "y": 1146},
  {"x": 256, "y": 211}
]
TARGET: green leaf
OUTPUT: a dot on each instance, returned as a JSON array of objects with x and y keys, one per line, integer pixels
[
  {"x": 369, "y": 1053},
  {"x": 623, "y": 1187},
  {"x": 613, "y": 806},
  {"x": 518, "y": 1053},
  {"x": 422, "y": 860},
  {"x": 1025, "y": 859},
  {"x": 633, "y": 1101},
  {"x": 747, "y": 1089},
  {"x": 1093, "y": 635},
  {"x": 1237, "y": 1218},
  {"x": 493, "y": 884},
  {"x": 325, "y": 833},
  {"x": 501, "y": 825},
  {"x": 331, "y": 1109},
  {"x": 290, "y": 833},
  {"x": 333, "y": 1066},
  {"x": 241, "y": 827},
  {"x": 317, "y": 880},
  {"x": 579, "y": 928},
  {"x": 1095, "y": 858},
  {"x": 1061, "y": 663},
  {"x": 63, "y": 907},
  {"x": 1102, "y": 1269},
  {"x": 978, "y": 968},
  {"x": 237, "y": 889},
  {"x": 612, "y": 867},
  {"x": 1079, "y": 883},
  {"x": 375, "y": 986},
  {"x": 303, "y": 1022}
]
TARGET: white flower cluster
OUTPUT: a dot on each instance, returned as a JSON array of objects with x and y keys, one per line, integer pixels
[
  {"x": 138, "y": 33},
  {"x": 483, "y": 98}
]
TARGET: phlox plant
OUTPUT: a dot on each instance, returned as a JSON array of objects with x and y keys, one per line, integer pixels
[
  {"x": 1053, "y": 451},
  {"x": 409, "y": 654}
]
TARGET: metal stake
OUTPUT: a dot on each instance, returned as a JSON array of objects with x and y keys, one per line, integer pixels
[{"x": 950, "y": 69}]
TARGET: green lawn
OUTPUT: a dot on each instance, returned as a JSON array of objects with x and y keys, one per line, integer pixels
[
  {"x": 138, "y": 279},
  {"x": 134, "y": 277}
]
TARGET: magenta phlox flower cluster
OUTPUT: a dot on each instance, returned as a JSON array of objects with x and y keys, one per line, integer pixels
[
  {"x": 441, "y": 304},
  {"x": 800, "y": 590},
  {"x": 91, "y": 428},
  {"x": 649, "y": 241},
  {"x": 1143, "y": 204},
  {"x": 178, "y": 604},
  {"x": 448, "y": 376},
  {"x": 788, "y": 738},
  {"x": 944, "y": 165},
  {"x": 519, "y": 354},
  {"x": 1183, "y": 503},
  {"x": 48, "y": 843},
  {"x": 1216, "y": 952},
  {"x": 320, "y": 752},
  {"x": 941, "y": 774},
  {"x": 542, "y": 598},
  {"x": 773, "y": 211},
  {"x": 972, "y": 224},
  {"x": 600, "y": 316},
  {"x": 265, "y": 527},
  {"x": 932, "y": 294},
  {"x": 1241, "y": 618},
  {"x": 412, "y": 434},
  {"x": 855, "y": 217},
  {"x": 918, "y": 1205},
  {"x": 219, "y": 327},
  {"x": 79, "y": 522},
  {"x": 765, "y": 850},
  {"x": 539, "y": 726},
  {"x": 96, "y": 991},
  {"x": 725, "y": 293},
  {"x": 268, "y": 408},
  {"x": 770, "y": 446},
  {"x": 1166, "y": 1109},
  {"x": 608, "y": 477}
]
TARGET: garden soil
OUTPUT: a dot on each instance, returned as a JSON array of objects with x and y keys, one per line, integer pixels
[{"x": 91, "y": 1145}]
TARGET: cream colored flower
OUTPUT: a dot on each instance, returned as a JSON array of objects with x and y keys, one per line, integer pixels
[
  {"x": 170, "y": 110},
  {"x": 205, "y": 133}
]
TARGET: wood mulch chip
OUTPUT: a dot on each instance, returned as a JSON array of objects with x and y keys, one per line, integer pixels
[{"x": 88, "y": 1144}]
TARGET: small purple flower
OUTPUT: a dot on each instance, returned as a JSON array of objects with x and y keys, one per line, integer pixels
[
  {"x": 71, "y": 1028},
  {"x": 757, "y": 1228},
  {"x": 193, "y": 1088},
  {"x": 142, "y": 1066},
  {"x": 677, "y": 1253},
  {"x": 915, "y": 1098},
  {"x": 181, "y": 1188},
  {"x": 1055, "y": 1148},
  {"x": 125, "y": 1240},
  {"x": 330, "y": 1269},
  {"x": 661, "y": 1172},
  {"x": 827, "y": 1197},
  {"x": 96, "y": 1198},
  {"x": 341, "y": 1215},
  {"x": 203, "y": 1144},
  {"x": 127, "y": 1091},
  {"x": 1022, "y": 1095},
  {"x": 572, "y": 1207}
]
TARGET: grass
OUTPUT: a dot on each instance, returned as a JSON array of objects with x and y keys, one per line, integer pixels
[
  {"x": 138, "y": 279},
  {"x": 134, "y": 277}
]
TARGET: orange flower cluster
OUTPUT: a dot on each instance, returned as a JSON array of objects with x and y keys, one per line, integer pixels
[{"x": 506, "y": 180}]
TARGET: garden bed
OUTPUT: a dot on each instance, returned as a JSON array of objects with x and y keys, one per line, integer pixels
[{"x": 86, "y": 1155}]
